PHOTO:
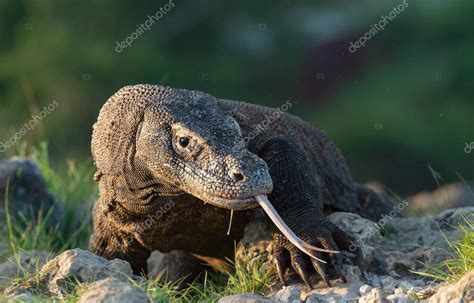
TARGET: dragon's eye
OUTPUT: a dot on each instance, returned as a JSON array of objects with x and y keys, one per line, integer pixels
[{"x": 183, "y": 142}]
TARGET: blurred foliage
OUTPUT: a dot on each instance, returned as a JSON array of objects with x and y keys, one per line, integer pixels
[{"x": 402, "y": 102}]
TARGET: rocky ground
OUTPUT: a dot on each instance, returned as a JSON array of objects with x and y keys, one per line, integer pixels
[
  {"x": 392, "y": 249},
  {"x": 389, "y": 257}
]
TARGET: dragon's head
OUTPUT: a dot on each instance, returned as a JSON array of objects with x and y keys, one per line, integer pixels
[{"x": 181, "y": 139}]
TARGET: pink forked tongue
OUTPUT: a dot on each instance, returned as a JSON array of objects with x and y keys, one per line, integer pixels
[{"x": 289, "y": 234}]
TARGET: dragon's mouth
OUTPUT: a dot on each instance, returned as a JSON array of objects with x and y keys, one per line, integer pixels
[{"x": 240, "y": 203}]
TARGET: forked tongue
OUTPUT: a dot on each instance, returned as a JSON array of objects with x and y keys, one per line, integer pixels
[{"x": 289, "y": 234}]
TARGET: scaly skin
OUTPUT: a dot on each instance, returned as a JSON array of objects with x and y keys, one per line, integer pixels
[{"x": 200, "y": 156}]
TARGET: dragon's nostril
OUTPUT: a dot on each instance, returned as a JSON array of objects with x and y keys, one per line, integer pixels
[{"x": 237, "y": 177}]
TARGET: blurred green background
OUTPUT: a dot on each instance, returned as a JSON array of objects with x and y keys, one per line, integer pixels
[{"x": 394, "y": 107}]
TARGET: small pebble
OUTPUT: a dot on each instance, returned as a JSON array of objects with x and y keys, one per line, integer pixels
[
  {"x": 399, "y": 299},
  {"x": 289, "y": 294},
  {"x": 365, "y": 289},
  {"x": 375, "y": 295},
  {"x": 399, "y": 291}
]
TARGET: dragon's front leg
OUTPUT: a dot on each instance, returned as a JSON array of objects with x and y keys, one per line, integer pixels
[{"x": 298, "y": 198}]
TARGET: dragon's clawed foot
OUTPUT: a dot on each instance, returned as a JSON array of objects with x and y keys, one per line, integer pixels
[{"x": 321, "y": 234}]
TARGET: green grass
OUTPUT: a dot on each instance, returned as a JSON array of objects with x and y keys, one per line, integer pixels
[
  {"x": 462, "y": 260},
  {"x": 249, "y": 277}
]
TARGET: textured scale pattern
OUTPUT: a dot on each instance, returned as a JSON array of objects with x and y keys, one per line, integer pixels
[{"x": 155, "y": 146}]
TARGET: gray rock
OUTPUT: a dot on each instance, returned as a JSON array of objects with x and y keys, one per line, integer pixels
[
  {"x": 24, "y": 297},
  {"x": 388, "y": 283},
  {"x": 61, "y": 274},
  {"x": 312, "y": 299},
  {"x": 255, "y": 246},
  {"x": 174, "y": 266},
  {"x": 246, "y": 298},
  {"x": 399, "y": 260},
  {"x": 27, "y": 192},
  {"x": 25, "y": 262},
  {"x": 154, "y": 263},
  {"x": 290, "y": 293},
  {"x": 418, "y": 283},
  {"x": 405, "y": 285},
  {"x": 340, "y": 292},
  {"x": 430, "y": 231},
  {"x": 376, "y": 295},
  {"x": 451, "y": 218},
  {"x": 399, "y": 291},
  {"x": 330, "y": 298},
  {"x": 352, "y": 274},
  {"x": 397, "y": 253},
  {"x": 416, "y": 230},
  {"x": 460, "y": 291},
  {"x": 112, "y": 290},
  {"x": 372, "y": 279},
  {"x": 362, "y": 229},
  {"x": 415, "y": 290},
  {"x": 258, "y": 229}
]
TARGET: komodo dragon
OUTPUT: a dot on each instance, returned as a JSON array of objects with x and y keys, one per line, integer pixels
[{"x": 199, "y": 156}]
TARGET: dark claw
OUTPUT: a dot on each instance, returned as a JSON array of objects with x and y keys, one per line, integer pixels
[
  {"x": 321, "y": 269},
  {"x": 300, "y": 267},
  {"x": 304, "y": 276},
  {"x": 343, "y": 240},
  {"x": 336, "y": 262},
  {"x": 281, "y": 261},
  {"x": 328, "y": 242},
  {"x": 281, "y": 273}
]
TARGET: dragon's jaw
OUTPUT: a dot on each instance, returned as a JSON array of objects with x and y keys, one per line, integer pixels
[
  {"x": 233, "y": 203},
  {"x": 236, "y": 203}
]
